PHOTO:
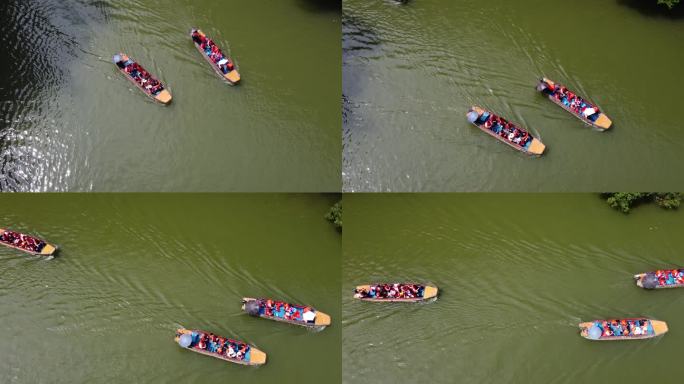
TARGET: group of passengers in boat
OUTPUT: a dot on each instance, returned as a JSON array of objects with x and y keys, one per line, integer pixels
[
  {"x": 22, "y": 241},
  {"x": 285, "y": 310},
  {"x": 141, "y": 76},
  {"x": 670, "y": 276},
  {"x": 220, "y": 345},
  {"x": 625, "y": 327},
  {"x": 575, "y": 103},
  {"x": 213, "y": 52},
  {"x": 391, "y": 291},
  {"x": 504, "y": 129}
]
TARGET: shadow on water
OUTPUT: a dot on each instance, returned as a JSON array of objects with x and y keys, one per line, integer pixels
[
  {"x": 322, "y": 5},
  {"x": 651, "y": 8},
  {"x": 39, "y": 38}
]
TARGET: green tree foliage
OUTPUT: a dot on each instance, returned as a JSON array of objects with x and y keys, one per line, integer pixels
[
  {"x": 669, "y": 3},
  {"x": 624, "y": 201},
  {"x": 335, "y": 215}
]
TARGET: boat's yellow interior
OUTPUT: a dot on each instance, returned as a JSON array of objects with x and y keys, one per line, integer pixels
[
  {"x": 322, "y": 319},
  {"x": 232, "y": 76},
  {"x": 603, "y": 121},
  {"x": 257, "y": 357},
  {"x": 164, "y": 97},
  {"x": 430, "y": 292},
  {"x": 536, "y": 147}
]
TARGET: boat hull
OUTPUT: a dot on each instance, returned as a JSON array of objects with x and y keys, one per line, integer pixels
[
  {"x": 638, "y": 279},
  {"x": 47, "y": 251},
  {"x": 321, "y": 320},
  {"x": 257, "y": 357},
  {"x": 602, "y": 122},
  {"x": 536, "y": 147},
  {"x": 164, "y": 97},
  {"x": 430, "y": 292},
  {"x": 232, "y": 77},
  {"x": 659, "y": 329}
]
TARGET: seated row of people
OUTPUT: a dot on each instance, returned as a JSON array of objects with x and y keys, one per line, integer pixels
[
  {"x": 504, "y": 129},
  {"x": 213, "y": 52},
  {"x": 283, "y": 310},
  {"x": 624, "y": 327},
  {"x": 572, "y": 101},
  {"x": 670, "y": 276},
  {"x": 391, "y": 291},
  {"x": 220, "y": 345},
  {"x": 141, "y": 76},
  {"x": 22, "y": 241}
]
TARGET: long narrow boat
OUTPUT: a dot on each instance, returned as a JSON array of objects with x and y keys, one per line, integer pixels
[
  {"x": 584, "y": 110},
  {"x": 26, "y": 243},
  {"x": 224, "y": 67},
  {"x": 132, "y": 71},
  {"x": 395, "y": 292},
  {"x": 285, "y": 312},
  {"x": 660, "y": 279},
  {"x": 505, "y": 131},
  {"x": 622, "y": 329},
  {"x": 200, "y": 342}
]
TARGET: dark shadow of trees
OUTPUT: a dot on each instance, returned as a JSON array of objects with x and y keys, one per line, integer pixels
[
  {"x": 651, "y": 8},
  {"x": 322, "y": 5}
]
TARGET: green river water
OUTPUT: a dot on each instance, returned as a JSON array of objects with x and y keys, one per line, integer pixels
[
  {"x": 411, "y": 71},
  {"x": 133, "y": 268},
  {"x": 71, "y": 122},
  {"x": 517, "y": 273}
]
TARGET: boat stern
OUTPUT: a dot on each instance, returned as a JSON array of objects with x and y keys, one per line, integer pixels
[
  {"x": 603, "y": 122},
  {"x": 476, "y": 109},
  {"x": 584, "y": 329},
  {"x": 638, "y": 279},
  {"x": 256, "y": 357},
  {"x": 360, "y": 287},
  {"x": 536, "y": 147},
  {"x": 322, "y": 319},
  {"x": 164, "y": 97},
  {"x": 232, "y": 77},
  {"x": 659, "y": 327},
  {"x": 430, "y": 292},
  {"x": 179, "y": 332},
  {"x": 48, "y": 250}
]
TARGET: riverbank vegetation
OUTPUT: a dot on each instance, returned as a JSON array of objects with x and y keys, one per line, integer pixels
[
  {"x": 669, "y": 3},
  {"x": 334, "y": 215},
  {"x": 625, "y": 201}
]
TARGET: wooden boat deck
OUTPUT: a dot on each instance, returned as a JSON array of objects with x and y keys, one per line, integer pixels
[
  {"x": 256, "y": 356},
  {"x": 536, "y": 147},
  {"x": 602, "y": 122}
]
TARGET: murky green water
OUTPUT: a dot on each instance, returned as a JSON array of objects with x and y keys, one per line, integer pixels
[
  {"x": 411, "y": 71},
  {"x": 71, "y": 122},
  {"x": 517, "y": 273},
  {"x": 133, "y": 268}
]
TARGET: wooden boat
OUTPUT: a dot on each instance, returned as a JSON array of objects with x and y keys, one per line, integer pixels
[
  {"x": 252, "y": 357},
  {"x": 163, "y": 96},
  {"x": 304, "y": 316},
  {"x": 232, "y": 77},
  {"x": 661, "y": 279},
  {"x": 426, "y": 292},
  {"x": 601, "y": 121},
  {"x": 478, "y": 116},
  {"x": 44, "y": 250},
  {"x": 593, "y": 330}
]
